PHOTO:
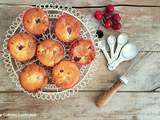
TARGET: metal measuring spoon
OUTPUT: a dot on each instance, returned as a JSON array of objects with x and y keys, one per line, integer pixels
[
  {"x": 121, "y": 41},
  {"x": 128, "y": 52},
  {"x": 101, "y": 45},
  {"x": 111, "y": 42}
]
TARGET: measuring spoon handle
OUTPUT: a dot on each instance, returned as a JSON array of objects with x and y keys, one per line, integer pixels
[
  {"x": 117, "y": 52},
  {"x": 113, "y": 65},
  {"x": 106, "y": 54}
]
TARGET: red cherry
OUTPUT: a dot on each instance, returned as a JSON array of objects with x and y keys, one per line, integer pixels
[
  {"x": 116, "y": 17},
  {"x": 108, "y": 16},
  {"x": 116, "y": 26},
  {"x": 98, "y": 15},
  {"x": 109, "y": 8},
  {"x": 107, "y": 24}
]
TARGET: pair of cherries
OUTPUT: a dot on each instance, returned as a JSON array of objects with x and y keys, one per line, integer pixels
[{"x": 110, "y": 18}]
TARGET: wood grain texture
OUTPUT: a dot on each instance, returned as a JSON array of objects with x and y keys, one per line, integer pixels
[
  {"x": 141, "y": 24},
  {"x": 124, "y": 106},
  {"x": 83, "y": 3},
  {"x": 144, "y": 75},
  {"x": 141, "y": 21}
]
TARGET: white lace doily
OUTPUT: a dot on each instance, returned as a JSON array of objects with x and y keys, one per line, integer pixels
[{"x": 51, "y": 92}]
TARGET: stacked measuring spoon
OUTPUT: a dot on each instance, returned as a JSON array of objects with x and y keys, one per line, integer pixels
[{"x": 120, "y": 50}]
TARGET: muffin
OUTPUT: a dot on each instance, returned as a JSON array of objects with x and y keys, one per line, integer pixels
[
  {"x": 82, "y": 51},
  {"x": 35, "y": 21},
  {"x": 33, "y": 78},
  {"x": 65, "y": 74},
  {"x": 67, "y": 28},
  {"x": 22, "y": 46},
  {"x": 49, "y": 52}
]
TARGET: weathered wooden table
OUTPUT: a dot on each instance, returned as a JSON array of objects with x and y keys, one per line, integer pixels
[{"x": 139, "y": 100}]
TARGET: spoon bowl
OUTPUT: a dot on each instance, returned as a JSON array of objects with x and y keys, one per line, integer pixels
[
  {"x": 128, "y": 52},
  {"x": 111, "y": 40},
  {"x": 121, "y": 41}
]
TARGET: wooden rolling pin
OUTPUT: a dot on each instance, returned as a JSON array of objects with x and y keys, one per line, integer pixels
[{"x": 104, "y": 98}]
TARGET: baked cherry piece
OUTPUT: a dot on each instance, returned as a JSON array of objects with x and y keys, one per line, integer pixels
[
  {"x": 22, "y": 46},
  {"x": 33, "y": 78},
  {"x": 67, "y": 28},
  {"x": 82, "y": 51},
  {"x": 65, "y": 74},
  {"x": 35, "y": 21},
  {"x": 50, "y": 52}
]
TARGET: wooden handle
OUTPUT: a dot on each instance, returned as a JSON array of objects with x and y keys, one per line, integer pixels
[{"x": 104, "y": 98}]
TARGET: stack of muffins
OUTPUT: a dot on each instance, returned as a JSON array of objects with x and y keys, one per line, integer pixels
[{"x": 23, "y": 47}]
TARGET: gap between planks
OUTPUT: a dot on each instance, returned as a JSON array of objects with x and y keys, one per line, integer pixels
[
  {"x": 151, "y": 28},
  {"x": 91, "y": 91},
  {"x": 80, "y": 7}
]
